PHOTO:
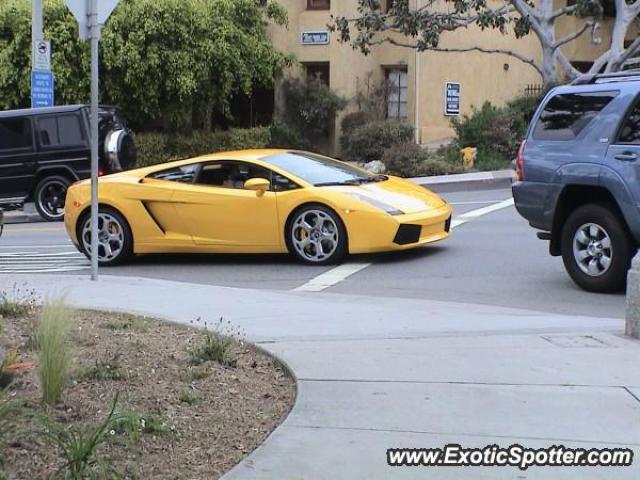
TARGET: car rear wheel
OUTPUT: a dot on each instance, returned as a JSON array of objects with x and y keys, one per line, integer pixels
[
  {"x": 596, "y": 249},
  {"x": 115, "y": 241},
  {"x": 49, "y": 197},
  {"x": 316, "y": 235}
]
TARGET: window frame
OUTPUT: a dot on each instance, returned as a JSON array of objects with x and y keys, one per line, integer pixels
[
  {"x": 614, "y": 94},
  {"x": 632, "y": 106},
  {"x": 400, "y": 70},
  {"x": 26, "y": 149},
  {"x": 61, "y": 146},
  {"x": 325, "y": 5}
]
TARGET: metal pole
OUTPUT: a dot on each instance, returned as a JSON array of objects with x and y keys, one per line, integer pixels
[
  {"x": 94, "y": 33},
  {"x": 416, "y": 109},
  {"x": 36, "y": 22}
]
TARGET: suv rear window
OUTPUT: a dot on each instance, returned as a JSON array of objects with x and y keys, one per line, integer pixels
[
  {"x": 15, "y": 133},
  {"x": 566, "y": 115},
  {"x": 61, "y": 130}
]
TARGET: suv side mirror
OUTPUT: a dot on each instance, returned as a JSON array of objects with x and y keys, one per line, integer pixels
[{"x": 258, "y": 185}]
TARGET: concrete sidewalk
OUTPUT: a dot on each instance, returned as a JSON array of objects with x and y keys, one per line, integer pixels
[{"x": 375, "y": 373}]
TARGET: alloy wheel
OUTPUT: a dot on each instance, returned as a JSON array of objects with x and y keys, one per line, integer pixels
[
  {"x": 52, "y": 197},
  {"x": 315, "y": 235},
  {"x": 110, "y": 237},
  {"x": 592, "y": 249}
]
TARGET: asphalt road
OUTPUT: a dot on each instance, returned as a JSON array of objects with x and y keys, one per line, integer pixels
[{"x": 492, "y": 258}]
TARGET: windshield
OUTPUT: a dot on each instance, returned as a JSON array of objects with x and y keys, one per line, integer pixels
[{"x": 321, "y": 171}]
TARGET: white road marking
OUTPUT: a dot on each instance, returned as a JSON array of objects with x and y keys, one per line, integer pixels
[
  {"x": 64, "y": 245},
  {"x": 475, "y": 202},
  {"x": 36, "y": 262},
  {"x": 340, "y": 273}
]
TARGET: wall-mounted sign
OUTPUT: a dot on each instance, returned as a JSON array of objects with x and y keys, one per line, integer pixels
[
  {"x": 452, "y": 98},
  {"x": 41, "y": 88},
  {"x": 315, "y": 38},
  {"x": 41, "y": 55}
]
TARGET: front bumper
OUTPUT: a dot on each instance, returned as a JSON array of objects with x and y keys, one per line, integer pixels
[{"x": 401, "y": 232}]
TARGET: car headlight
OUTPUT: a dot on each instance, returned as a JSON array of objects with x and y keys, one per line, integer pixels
[{"x": 391, "y": 210}]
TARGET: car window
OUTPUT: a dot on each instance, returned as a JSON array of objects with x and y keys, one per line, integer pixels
[
  {"x": 60, "y": 131},
  {"x": 280, "y": 183},
  {"x": 630, "y": 131},
  {"x": 317, "y": 169},
  {"x": 566, "y": 115},
  {"x": 183, "y": 174},
  {"x": 230, "y": 174},
  {"x": 15, "y": 133}
]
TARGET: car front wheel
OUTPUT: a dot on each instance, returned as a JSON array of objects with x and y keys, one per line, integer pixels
[
  {"x": 316, "y": 235},
  {"x": 596, "y": 249},
  {"x": 50, "y": 196},
  {"x": 115, "y": 241}
]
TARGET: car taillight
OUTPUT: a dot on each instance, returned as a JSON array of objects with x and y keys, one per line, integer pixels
[
  {"x": 520, "y": 162},
  {"x": 100, "y": 172}
]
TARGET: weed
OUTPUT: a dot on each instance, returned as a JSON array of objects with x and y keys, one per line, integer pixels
[
  {"x": 133, "y": 424},
  {"x": 101, "y": 371},
  {"x": 187, "y": 396},
  {"x": 127, "y": 322},
  {"x": 54, "y": 351},
  {"x": 216, "y": 345},
  {"x": 7, "y": 408},
  {"x": 19, "y": 302},
  {"x": 79, "y": 445},
  {"x": 197, "y": 373}
]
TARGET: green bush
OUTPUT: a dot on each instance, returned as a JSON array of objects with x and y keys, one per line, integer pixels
[
  {"x": 54, "y": 349},
  {"x": 286, "y": 137},
  {"x": 368, "y": 142},
  {"x": 309, "y": 108},
  {"x": 350, "y": 122},
  {"x": 154, "y": 147},
  {"x": 411, "y": 160}
]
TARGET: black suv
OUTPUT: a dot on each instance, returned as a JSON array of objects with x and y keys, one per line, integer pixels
[{"x": 44, "y": 150}]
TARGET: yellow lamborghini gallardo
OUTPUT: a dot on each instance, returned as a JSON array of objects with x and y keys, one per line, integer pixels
[{"x": 255, "y": 201}]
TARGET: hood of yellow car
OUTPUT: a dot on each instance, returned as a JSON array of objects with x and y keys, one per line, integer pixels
[{"x": 398, "y": 193}]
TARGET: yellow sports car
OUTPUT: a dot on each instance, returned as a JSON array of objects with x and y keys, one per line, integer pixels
[{"x": 255, "y": 201}]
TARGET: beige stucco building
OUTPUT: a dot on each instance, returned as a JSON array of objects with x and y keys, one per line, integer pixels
[{"x": 421, "y": 77}]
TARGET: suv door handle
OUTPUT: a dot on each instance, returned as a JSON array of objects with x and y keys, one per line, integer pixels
[{"x": 626, "y": 157}]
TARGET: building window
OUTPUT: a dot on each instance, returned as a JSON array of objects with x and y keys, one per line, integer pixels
[
  {"x": 320, "y": 71},
  {"x": 397, "y": 92},
  {"x": 318, "y": 4}
]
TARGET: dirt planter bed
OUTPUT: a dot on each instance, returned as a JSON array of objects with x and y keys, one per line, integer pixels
[{"x": 197, "y": 420}]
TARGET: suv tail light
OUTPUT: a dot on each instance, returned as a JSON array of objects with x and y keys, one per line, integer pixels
[{"x": 520, "y": 162}]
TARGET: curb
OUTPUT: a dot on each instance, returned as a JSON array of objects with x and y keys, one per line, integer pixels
[
  {"x": 27, "y": 215},
  {"x": 493, "y": 179}
]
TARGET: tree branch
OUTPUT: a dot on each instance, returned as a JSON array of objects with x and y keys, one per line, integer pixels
[
  {"x": 563, "y": 11},
  {"x": 502, "y": 51},
  {"x": 571, "y": 37},
  {"x": 571, "y": 71}
]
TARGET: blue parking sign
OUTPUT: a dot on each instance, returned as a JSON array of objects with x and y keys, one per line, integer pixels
[{"x": 41, "y": 88}]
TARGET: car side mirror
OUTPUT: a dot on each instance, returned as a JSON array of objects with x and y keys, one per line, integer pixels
[{"x": 258, "y": 185}]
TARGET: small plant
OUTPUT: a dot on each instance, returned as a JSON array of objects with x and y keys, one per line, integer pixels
[
  {"x": 195, "y": 373},
  {"x": 54, "y": 350},
  {"x": 101, "y": 371},
  {"x": 19, "y": 302},
  {"x": 7, "y": 409},
  {"x": 187, "y": 396},
  {"x": 216, "y": 345},
  {"x": 127, "y": 322},
  {"x": 132, "y": 423},
  {"x": 79, "y": 445}
]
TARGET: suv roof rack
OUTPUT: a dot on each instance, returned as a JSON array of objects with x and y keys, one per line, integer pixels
[{"x": 590, "y": 79}]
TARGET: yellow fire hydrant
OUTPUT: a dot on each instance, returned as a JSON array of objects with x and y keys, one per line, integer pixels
[{"x": 469, "y": 155}]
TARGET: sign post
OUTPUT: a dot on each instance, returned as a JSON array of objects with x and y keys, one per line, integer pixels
[{"x": 90, "y": 16}]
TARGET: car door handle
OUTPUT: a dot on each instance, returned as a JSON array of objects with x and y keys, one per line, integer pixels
[{"x": 626, "y": 157}]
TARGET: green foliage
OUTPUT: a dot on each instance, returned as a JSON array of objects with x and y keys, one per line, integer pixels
[
  {"x": 368, "y": 142},
  {"x": 216, "y": 345},
  {"x": 7, "y": 428},
  {"x": 411, "y": 160},
  {"x": 309, "y": 108},
  {"x": 101, "y": 371},
  {"x": 285, "y": 137},
  {"x": 187, "y": 396},
  {"x": 54, "y": 349},
  {"x": 132, "y": 423},
  {"x": 166, "y": 63},
  {"x": 495, "y": 131},
  {"x": 79, "y": 445},
  {"x": 127, "y": 322},
  {"x": 155, "y": 147}
]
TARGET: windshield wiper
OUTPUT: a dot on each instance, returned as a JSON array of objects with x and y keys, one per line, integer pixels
[
  {"x": 333, "y": 184},
  {"x": 377, "y": 178}
]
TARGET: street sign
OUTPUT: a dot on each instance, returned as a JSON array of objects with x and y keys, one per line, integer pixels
[
  {"x": 320, "y": 37},
  {"x": 41, "y": 55},
  {"x": 80, "y": 10},
  {"x": 452, "y": 98},
  {"x": 41, "y": 88}
]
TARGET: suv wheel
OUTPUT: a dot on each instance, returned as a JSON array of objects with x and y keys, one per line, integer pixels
[
  {"x": 49, "y": 197},
  {"x": 115, "y": 240},
  {"x": 596, "y": 249}
]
